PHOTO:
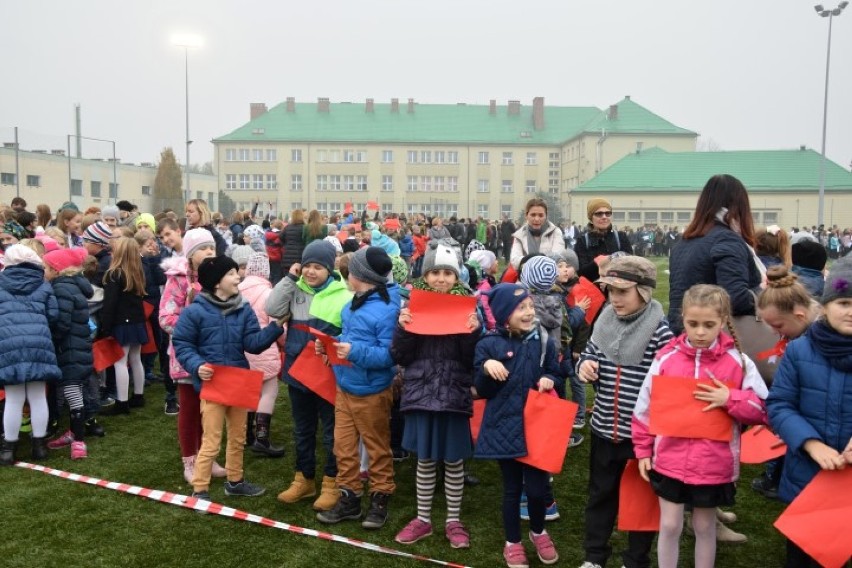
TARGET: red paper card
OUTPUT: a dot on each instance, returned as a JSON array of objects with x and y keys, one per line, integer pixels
[
  {"x": 760, "y": 445},
  {"x": 310, "y": 370},
  {"x": 372, "y": 204},
  {"x": 106, "y": 352},
  {"x": 818, "y": 519},
  {"x": 151, "y": 346},
  {"x": 233, "y": 386},
  {"x": 676, "y": 412},
  {"x": 586, "y": 287},
  {"x": 548, "y": 421},
  {"x": 433, "y": 313},
  {"x": 392, "y": 224},
  {"x": 327, "y": 344},
  {"x": 638, "y": 505},
  {"x": 476, "y": 419}
]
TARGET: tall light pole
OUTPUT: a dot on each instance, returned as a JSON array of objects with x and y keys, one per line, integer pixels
[
  {"x": 830, "y": 15},
  {"x": 186, "y": 42}
]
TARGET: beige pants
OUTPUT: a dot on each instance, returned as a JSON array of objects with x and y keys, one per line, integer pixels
[{"x": 213, "y": 418}]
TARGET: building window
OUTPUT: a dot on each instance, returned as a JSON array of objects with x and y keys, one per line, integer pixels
[
  {"x": 245, "y": 181},
  {"x": 426, "y": 157},
  {"x": 271, "y": 181},
  {"x": 770, "y": 217},
  {"x": 334, "y": 183},
  {"x": 684, "y": 217},
  {"x": 483, "y": 158},
  {"x": 295, "y": 205},
  {"x": 387, "y": 156},
  {"x": 506, "y": 209},
  {"x": 322, "y": 207},
  {"x": 244, "y": 154},
  {"x": 230, "y": 155},
  {"x": 412, "y": 183},
  {"x": 272, "y": 155},
  {"x": 618, "y": 216},
  {"x": 257, "y": 155},
  {"x": 507, "y": 158},
  {"x": 348, "y": 183},
  {"x": 77, "y": 187},
  {"x": 439, "y": 183},
  {"x": 387, "y": 208},
  {"x": 146, "y": 190},
  {"x": 296, "y": 182},
  {"x": 334, "y": 207},
  {"x": 334, "y": 156},
  {"x": 634, "y": 217},
  {"x": 412, "y": 156},
  {"x": 322, "y": 183},
  {"x": 530, "y": 186},
  {"x": 506, "y": 186},
  {"x": 426, "y": 183},
  {"x": 387, "y": 183},
  {"x": 33, "y": 181},
  {"x": 199, "y": 195},
  {"x": 349, "y": 155},
  {"x": 532, "y": 159},
  {"x": 554, "y": 156},
  {"x": 440, "y": 157},
  {"x": 361, "y": 184},
  {"x": 650, "y": 217},
  {"x": 230, "y": 181},
  {"x": 413, "y": 209},
  {"x": 7, "y": 178},
  {"x": 361, "y": 156},
  {"x": 482, "y": 210},
  {"x": 482, "y": 186},
  {"x": 95, "y": 188},
  {"x": 258, "y": 181},
  {"x": 113, "y": 191},
  {"x": 667, "y": 217},
  {"x": 452, "y": 157},
  {"x": 452, "y": 209},
  {"x": 453, "y": 183},
  {"x": 322, "y": 155}
]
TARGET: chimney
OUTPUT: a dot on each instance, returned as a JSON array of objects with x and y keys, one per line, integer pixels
[
  {"x": 369, "y": 107},
  {"x": 802, "y": 148},
  {"x": 514, "y": 107},
  {"x": 410, "y": 106},
  {"x": 257, "y": 109},
  {"x": 613, "y": 112},
  {"x": 639, "y": 147},
  {"x": 395, "y": 105},
  {"x": 291, "y": 104},
  {"x": 322, "y": 104},
  {"x": 538, "y": 113},
  {"x": 492, "y": 107}
]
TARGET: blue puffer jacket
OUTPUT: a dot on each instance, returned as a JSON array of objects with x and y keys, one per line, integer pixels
[
  {"x": 720, "y": 257},
  {"x": 205, "y": 333},
  {"x": 370, "y": 331},
  {"x": 502, "y": 433},
  {"x": 27, "y": 309},
  {"x": 406, "y": 246},
  {"x": 809, "y": 399},
  {"x": 154, "y": 278},
  {"x": 71, "y": 334},
  {"x": 812, "y": 280}
]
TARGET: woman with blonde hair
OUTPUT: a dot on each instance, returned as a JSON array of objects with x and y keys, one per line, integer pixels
[
  {"x": 199, "y": 216},
  {"x": 315, "y": 229},
  {"x": 69, "y": 222}
]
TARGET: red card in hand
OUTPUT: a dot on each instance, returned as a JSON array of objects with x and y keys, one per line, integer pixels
[
  {"x": 585, "y": 287},
  {"x": 327, "y": 344},
  {"x": 106, "y": 352},
  {"x": 760, "y": 445},
  {"x": 310, "y": 370},
  {"x": 476, "y": 419},
  {"x": 676, "y": 412},
  {"x": 818, "y": 519},
  {"x": 638, "y": 505},
  {"x": 548, "y": 421},
  {"x": 233, "y": 386},
  {"x": 150, "y": 347},
  {"x": 433, "y": 313}
]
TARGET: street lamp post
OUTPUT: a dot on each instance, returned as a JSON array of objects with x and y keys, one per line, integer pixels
[
  {"x": 187, "y": 42},
  {"x": 830, "y": 15}
]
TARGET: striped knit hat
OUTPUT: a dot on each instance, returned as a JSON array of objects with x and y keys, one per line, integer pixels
[
  {"x": 98, "y": 233},
  {"x": 539, "y": 273}
]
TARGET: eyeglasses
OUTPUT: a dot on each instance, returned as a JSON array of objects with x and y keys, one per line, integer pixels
[{"x": 602, "y": 213}]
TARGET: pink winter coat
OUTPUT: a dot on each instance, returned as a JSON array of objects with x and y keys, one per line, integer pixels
[
  {"x": 696, "y": 461},
  {"x": 172, "y": 303},
  {"x": 255, "y": 290}
]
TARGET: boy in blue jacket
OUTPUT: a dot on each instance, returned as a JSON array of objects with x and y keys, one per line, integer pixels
[{"x": 218, "y": 327}]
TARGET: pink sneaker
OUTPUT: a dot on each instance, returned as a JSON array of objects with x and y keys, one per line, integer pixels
[
  {"x": 218, "y": 471},
  {"x": 414, "y": 531},
  {"x": 515, "y": 556},
  {"x": 79, "y": 450},
  {"x": 457, "y": 535},
  {"x": 62, "y": 441},
  {"x": 544, "y": 548}
]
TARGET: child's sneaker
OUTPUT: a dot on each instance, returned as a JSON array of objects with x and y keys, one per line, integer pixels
[
  {"x": 64, "y": 440},
  {"x": 377, "y": 512},
  {"x": 552, "y": 512},
  {"x": 414, "y": 531},
  {"x": 515, "y": 556},
  {"x": 457, "y": 535},
  {"x": 243, "y": 488},
  {"x": 579, "y": 423},
  {"x": 575, "y": 440},
  {"x": 79, "y": 451},
  {"x": 544, "y": 548}
]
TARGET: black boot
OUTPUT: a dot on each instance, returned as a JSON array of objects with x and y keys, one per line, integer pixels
[
  {"x": 78, "y": 425},
  {"x": 94, "y": 429},
  {"x": 39, "y": 449},
  {"x": 348, "y": 508},
  {"x": 137, "y": 401},
  {"x": 250, "y": 429},
  {"x": 377, "y": 514},
  {"x": 120, "y": 407},
  {"x": 262, "y": 445},
  {"x": 7, "y": 453}
]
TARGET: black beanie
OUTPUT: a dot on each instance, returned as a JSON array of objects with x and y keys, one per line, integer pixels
[
  {"x": 212, "y": 270},
  {"x": 809, "y": 254}
]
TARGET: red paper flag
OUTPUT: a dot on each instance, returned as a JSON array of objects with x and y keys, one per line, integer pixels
[
  {"x": 233, "y": 386},
  {"x": 347, "y": 208},
  {"x": 433, "y": 313},
  {"x": 759, "y": 445},
  {"x": 510, "y": 275},
  {"x": 151, "y": 346},
  {"x": 106, "y": 352},
  {"x": 392, "y": 224},
  {"x": 818, "y": 519},
  {"x": 327, "y": 344},
  {"x": 585, "y": 287},
  {"x": 676, "y": 412},
  {"x": 372, "y": 205},
  {"x": 310, "y": 370},
  {"x": 548, "y": 421},
  {"x": 638, "y": 505},
  {"x": 476, "y": 419}
]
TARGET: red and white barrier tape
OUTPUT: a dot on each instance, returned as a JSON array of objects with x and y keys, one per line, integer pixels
[{"x": 221, "y": 510}]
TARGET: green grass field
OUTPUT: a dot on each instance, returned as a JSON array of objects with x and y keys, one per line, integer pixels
[{"x": 50, "y": 522}]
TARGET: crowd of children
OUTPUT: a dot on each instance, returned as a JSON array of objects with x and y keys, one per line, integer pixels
[{"x": 397, "y": 392}]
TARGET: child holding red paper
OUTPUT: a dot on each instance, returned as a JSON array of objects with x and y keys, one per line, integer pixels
[
  {"x": 508, "y": 363},
  {"x": 218, "y": 328},
  {"x": 697, "y": 471},
  {"x": 808, "y": 403}
]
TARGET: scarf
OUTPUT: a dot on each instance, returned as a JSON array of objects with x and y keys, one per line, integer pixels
[
  {"x": 359, "y": 300},
  {"x": 835, "y": 347},
  {"x": 228, "y": 306},
  {"x": 533, "y": 239},
  {"x": 458, "y": 288},
  {"x": 623, "y": 339}
]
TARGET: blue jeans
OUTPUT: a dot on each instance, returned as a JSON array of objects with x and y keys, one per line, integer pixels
[
  {"x": 307, "y": 409},
  {"x": 578, "y": 395},
  {"x": 516, "y": 477}
]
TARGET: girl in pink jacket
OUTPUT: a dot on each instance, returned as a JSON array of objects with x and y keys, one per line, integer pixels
[{"x": 697, "y": 471}]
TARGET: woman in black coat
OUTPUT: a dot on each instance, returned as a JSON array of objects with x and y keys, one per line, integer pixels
[
  {"x": 291, "y": 239},
  {"x": 600, "y": 239}
]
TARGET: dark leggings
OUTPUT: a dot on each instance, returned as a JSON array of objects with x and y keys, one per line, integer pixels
[
  {"x": 516, "y": 476},
  {"x": 189, "y": 420}
]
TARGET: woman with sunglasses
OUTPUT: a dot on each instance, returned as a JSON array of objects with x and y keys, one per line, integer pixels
[
  {"x": 537, "y": 235},
  {"x": 600, "y": 240}
]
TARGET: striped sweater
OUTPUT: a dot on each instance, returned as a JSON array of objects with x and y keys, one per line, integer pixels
[{"x": 618, "y": 387}]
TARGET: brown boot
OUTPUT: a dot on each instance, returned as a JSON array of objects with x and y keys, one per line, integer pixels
[
  {"x": 726, "y": 517},
  {"x": 329, "y": 494},
  {"x": 726, "y": 534},
  {"x": 301, "y": 488}
]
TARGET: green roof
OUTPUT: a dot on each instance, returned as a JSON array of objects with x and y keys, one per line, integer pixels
[
  {"x": 759, "y": 170},
  {"x": 632, "y": 118},
  {"x": 440, "y": 124}
]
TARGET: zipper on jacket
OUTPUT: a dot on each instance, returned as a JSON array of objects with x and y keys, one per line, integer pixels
[{"x": 615, "y": 404}]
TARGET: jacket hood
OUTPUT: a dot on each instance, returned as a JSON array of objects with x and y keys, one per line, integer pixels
[
  {"x": 175, "y": 266},
  {"x": 254, "y": 285},
  {"x": 22, "y": 278}
]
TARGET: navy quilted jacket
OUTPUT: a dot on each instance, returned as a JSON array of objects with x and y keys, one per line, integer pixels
[
  {"x": 71, "y": 334},
  {"x": 27, "y": 309},
  {"x": 502, "y": 433}
]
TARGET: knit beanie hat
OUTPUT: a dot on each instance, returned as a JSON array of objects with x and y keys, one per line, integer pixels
[
  {"x": 13, "y": 228},
  {"x": 472, "y": 247},
  {"x": 60, "y": 259},
  {"x": 503, "y": 299},
  {"x": 148, "y": 219},
  {"x": 19, "y": 254},
  {"x": 256, "y": 238},
  {"x": 68, "y": 205},
  {"x": 378, "y": 239},
  {"x": 400, "y": 269},
  {"x": 567, "y": 256},
  {"x": 441, "y": 255},
  {"x": 809, "y": 254},
  {"x": 111, "y": 211},
  {"x": 837, "y": 285},
  {"x": 539, "y": 273},
  {"x": 370, "y": 264},
  {"x": 595, "y": 204},
  {"x": 484, "y": 258},
  {"x": 194, "y": 239},
  {"x": 627, "y": 271},
  {"x": 98, "y": 233},
  {"x": 241, "y": 254},
  {"x": 258, "y": 265},
  {"x": 125, "y": 205},
  {"x": 320, "y": 252},
  {"x": 212, "y": 270},
  {"x": 50, "y": 245}
]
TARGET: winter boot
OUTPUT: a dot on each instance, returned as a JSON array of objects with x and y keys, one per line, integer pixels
[
  {"x": 301, "y": 488},
  {"x": 120, "y": 407},
  {"x": 377, "y": 514},
  {"x": 7, "y": 452},
  {"x": 39, "y": 449},
  {"x": 250, "y": 419},
  {"x": 727, "y": 534},
  {"x": 347, "y": 507},
  {"x": 136, "y": 401},
  {"x": 329, "y": 494},
  {"x": 262, "y": 445},
  {"x": 188, "y": 468},
  {"x": 94, "y": 429}
]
